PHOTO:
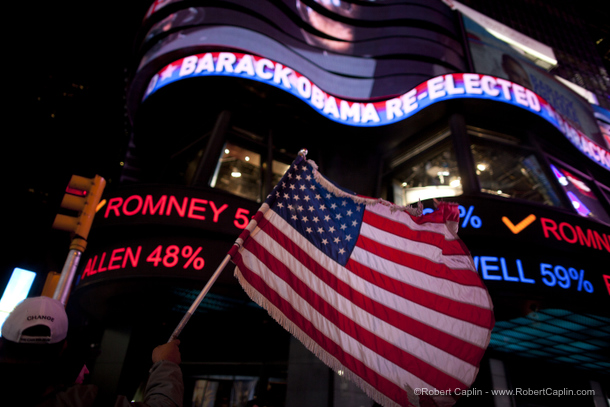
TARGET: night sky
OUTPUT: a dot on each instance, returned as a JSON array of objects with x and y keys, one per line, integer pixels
[
  {"x": 65, "y": 114},
  {"x": 70, "y": 86}
]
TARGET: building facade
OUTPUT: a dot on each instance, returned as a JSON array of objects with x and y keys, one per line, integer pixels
[{"x": 405, "y": 100}]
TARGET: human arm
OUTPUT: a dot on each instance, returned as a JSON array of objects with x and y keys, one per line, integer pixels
[{"x": 165, "y": 386}]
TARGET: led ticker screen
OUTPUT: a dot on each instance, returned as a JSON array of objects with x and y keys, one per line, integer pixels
[
  {"x": 163, "y": 231},
  {"x": 529, "y": 225},
  {"x": 545, "y": 275},
  {"x": 177, "y": 207},
  {"x": 551, "y": 275},
  {"x": 377, "y": 113},
  {"x": 523, "y": 249},
  {"x": 468, "y": 217},
  {"x": 353, "y": 113},
  {"x": 168, "y": 256}
]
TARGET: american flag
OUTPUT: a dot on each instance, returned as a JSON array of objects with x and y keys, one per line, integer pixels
[{"x": 388, "y": 296}]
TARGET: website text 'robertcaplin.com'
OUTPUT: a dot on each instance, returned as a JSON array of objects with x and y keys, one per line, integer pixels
[{"x": 518, "y": 391}]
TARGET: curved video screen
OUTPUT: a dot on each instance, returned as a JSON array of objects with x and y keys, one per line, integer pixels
[{"x": 372, "y": 113}]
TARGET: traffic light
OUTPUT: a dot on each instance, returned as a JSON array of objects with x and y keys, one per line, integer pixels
[{"x": 82, "y": 196}]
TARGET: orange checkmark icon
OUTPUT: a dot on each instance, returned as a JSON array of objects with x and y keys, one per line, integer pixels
[{"x": 519, "y": 226}]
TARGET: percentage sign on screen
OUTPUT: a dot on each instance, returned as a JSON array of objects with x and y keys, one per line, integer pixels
[
  {"x": 474, "y": 221},
  {"x": 191, "y": 256},
  {"x": 580, "y": 277}
]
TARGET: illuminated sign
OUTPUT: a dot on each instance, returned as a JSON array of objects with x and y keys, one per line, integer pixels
[
  {"x": 129, "y": 257},
  {"x": 495, "y": 268},
  {"x": 202, "y": 209},
  {"x": 529, "y": 250},
  {"x": 192, "y": 208},
  {"x": 378, "y": 113},
  {"x": 193, "y": 258},
  {"x": 347, "y": 112},
  {"x": 529, "y": 225},
  {"x": 163, "y": 231},
  {"x": 466, "y": 216},
  {"x": 520, "y": 225},
  {"x": 575, "y": 234},
  {"x": 117, "y": 259},
  {"x": 524, "y": 249},
  {"x": 554, "y": 278}
]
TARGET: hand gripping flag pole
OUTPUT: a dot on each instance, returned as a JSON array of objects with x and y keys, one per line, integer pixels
[
  {"x": 381, "y": 292},
  {"x": 223, "y": 264}
]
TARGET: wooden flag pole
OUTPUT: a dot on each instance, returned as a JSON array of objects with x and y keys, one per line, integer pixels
[{"x": 199, "y": 298}]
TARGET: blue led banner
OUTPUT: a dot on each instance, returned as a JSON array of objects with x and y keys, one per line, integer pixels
[{"x": 378, "y": 113}]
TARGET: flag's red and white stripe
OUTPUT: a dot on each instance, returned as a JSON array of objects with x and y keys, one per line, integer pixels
[{"x": 407, "y": 311}]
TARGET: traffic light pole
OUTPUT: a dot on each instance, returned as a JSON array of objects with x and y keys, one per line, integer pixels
[{"x": 62, "y": 291}]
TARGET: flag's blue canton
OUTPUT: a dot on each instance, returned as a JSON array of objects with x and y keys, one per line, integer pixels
[{"x": 330, "y": 222}]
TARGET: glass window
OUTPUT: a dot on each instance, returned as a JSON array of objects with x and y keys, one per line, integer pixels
[
  {"x": 431, "y": 175},
  {"x": 579, "y": 192},
  {"x": 239, "y": 172},
  {"x": 236, "y": 391},
  {"x": 512, "y": 173}
]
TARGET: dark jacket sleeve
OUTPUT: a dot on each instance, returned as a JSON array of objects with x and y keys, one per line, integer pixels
[{"x": 165, "y": 386}]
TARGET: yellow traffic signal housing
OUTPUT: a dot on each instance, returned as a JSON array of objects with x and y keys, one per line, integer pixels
[{"x": 82, "y": 196}]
